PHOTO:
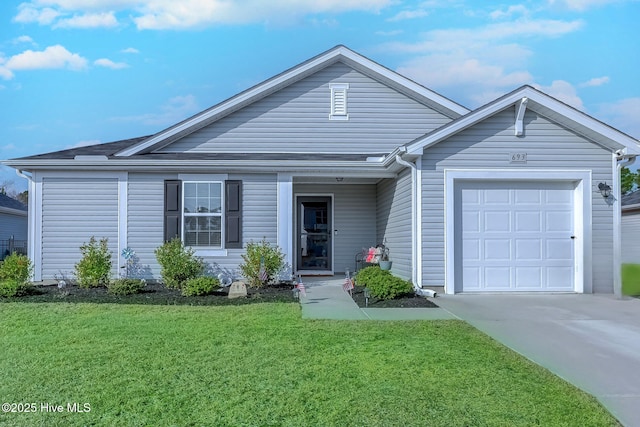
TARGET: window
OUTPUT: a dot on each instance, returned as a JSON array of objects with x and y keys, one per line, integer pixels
[
  {"x": 339, "y": 101},
  {"x": 202, "y": 214}
]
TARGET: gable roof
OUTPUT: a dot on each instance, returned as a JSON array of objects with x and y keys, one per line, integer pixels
[
  {"x": 337, "y": 54},
  {"x": 546, "y": 106},
  {"x": 12, "y": 206}
]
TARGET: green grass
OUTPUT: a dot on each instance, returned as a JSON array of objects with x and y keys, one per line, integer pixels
[
  {"x": 262, "y": 365},
  {"x": 631, "y": 279}
]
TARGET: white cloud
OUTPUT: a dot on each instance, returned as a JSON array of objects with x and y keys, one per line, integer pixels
[
  {"x": 475, "y": 64},
  {"x": 107, "y": 63},
  {"x": 563, "y": 91},
  {"x": 518, "y": 9},
  {"x": 29, "y": 13},
  {"x": 52, "y": 57},
  {"x": 23, "y": 39},
  {"x": 130, "y": 50},
  {"x": 93, "y": 20},
  {"x": 622, "y": 114},
  {"x": 184, "y": 14},
  {"x": 582, "y": 5},
  {"x": 596, "y": 81},
  {"x": 175, "y": 110},
  {"x": 409, "y": 14}
]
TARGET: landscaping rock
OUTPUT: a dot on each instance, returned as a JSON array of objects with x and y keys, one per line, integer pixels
[{"x": 238, "y": 290}]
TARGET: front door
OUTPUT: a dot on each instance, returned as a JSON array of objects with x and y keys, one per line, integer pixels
[{"x": 314, "y": 234}]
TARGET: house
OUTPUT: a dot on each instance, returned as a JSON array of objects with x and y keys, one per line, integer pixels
[
  {"x": 13, "y": 226},
  {"x": 340, "y": 153},
  {"x": 631, "y": 228}
]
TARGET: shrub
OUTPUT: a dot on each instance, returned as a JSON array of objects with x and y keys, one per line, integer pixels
[
  {"x": 126, "y": 286},
  {"x": 200, "y": 286},
  {"x": 16, "y": 267},
  {"x": 257, "y": 253},
  {"x": 382, "y": 284},
  {"x": 178, "y": 264},
  {"x": 94, "y": 268},
  {"x": 14, "y": 288}
]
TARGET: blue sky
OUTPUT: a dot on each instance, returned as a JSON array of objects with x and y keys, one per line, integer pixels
[{"x": 78, "y": 72}]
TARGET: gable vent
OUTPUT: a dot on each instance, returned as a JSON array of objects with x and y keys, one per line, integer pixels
[{"x": 339, "y": 101}]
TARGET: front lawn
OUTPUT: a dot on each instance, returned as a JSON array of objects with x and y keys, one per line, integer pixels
[{"x": 261, "y": 364}]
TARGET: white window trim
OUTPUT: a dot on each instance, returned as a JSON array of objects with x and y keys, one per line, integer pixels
[
  {"x": 339, "y": 88},
  {"x": 207, "y": 251}
]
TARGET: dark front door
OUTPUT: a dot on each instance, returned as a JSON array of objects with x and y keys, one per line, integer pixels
[{"x": 314, "y": 233}]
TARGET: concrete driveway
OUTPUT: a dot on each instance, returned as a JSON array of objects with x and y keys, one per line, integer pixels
[{"x": 592, "y": 341}]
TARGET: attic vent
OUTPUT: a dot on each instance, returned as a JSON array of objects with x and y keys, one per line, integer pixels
[{"x": 339, "y": 101}]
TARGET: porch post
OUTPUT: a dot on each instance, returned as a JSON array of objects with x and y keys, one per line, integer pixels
[{"x": 285, "y": 216}]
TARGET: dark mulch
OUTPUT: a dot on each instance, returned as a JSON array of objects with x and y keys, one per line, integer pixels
[
  {"x": 153, "y": 294},
  {"x": 406, "y": 301}
]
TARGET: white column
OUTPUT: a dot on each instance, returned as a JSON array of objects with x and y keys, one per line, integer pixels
[{"x": 285, "y": 216}]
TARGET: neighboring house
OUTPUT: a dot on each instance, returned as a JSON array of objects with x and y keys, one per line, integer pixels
[
  {"x": 338, "y": 154},
  {"x": 631, "y": 228},
  {"x": 13, "y": 226}
]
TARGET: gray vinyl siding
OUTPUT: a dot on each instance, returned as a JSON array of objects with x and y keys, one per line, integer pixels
[
  {"x": 487, "y": 145},
  {"x": 393, "y": 221},
  {"x": 631, "y": 237},
  {"x": 354, "y": 215},
  {"x": 74, "y": 210},
  {"x": 145, "y": 217},
  {"x": 13, "y": 225},
  {"x": 145, "y": 220},
  {"x": 296, "y": 119}
]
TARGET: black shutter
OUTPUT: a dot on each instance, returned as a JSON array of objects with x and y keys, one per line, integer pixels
[
  {"x": 233, "y": 215},
  {"x": 172, "y": 209}
]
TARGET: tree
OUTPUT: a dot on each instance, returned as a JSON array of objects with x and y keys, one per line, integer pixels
[{"x": 628, "y": 180}]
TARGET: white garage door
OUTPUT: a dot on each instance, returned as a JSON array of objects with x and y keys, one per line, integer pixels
[{"x": 515, "y": 236}]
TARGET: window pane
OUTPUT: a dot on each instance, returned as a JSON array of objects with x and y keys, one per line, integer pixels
[
  {"x": 189, "y": 189},
  {"x": 189, "y": 204}
]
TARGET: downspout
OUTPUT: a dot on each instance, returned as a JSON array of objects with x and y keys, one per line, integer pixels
[
  {"x": 623, "y": 160},
  {"x": 418, "y": 290}
]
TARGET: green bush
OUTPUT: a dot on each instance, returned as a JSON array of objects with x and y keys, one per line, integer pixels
[
  {"x": 382, "y": 284},
  {"x": 14, "y": 288},
  {"x": 631, "y": 279},
  {"x": 16, "y": 267},
  {"x": 258, "y": 252},
  {"x": 200, "y": 286},
  {"x": 94, "y": 268},
  {"x": 178, "y": 263},
  {"x": 126, "y": 286}
]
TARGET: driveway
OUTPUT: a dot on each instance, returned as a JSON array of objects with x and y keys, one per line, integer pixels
[{"x": 592, "y": 341}]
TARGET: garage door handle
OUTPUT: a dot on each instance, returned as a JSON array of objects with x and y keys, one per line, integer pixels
[{"x": 573, "y": 237}]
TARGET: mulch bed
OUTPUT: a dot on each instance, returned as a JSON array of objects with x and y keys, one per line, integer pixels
[
  {"x": 153, "y": 294},
  {"x": 406, "y": 301}
]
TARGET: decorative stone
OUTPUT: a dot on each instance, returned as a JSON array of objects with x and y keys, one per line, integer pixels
[{"x": 238, "y": 290}]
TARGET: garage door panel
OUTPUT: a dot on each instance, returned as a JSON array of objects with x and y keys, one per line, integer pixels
[
  {"x": 497, "y": 221},
  {"x": 528, "y": 221},
  {"x": 515, "y": 236},
  {"x": 528, "y": 277},
  {"x": 497, "y": 249},
  {"x": 528, "y": 249},
  {"x": 497, "y": 278}
]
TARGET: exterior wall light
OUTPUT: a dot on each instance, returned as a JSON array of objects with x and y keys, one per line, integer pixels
[{"x": 604, "y": 189}]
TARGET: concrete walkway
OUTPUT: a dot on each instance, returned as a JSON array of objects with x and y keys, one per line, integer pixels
[
  {"x": 592, "y": 341},
  {"x": 326, "y": 299}
]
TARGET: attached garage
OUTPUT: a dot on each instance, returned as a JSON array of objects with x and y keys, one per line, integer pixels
[{"x": 516, "y": 234}]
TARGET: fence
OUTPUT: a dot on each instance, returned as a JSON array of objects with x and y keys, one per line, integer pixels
[{"x": 7, "y": 247}]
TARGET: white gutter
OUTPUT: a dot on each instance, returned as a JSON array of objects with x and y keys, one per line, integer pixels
[{"x": 622, "y": 160}]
